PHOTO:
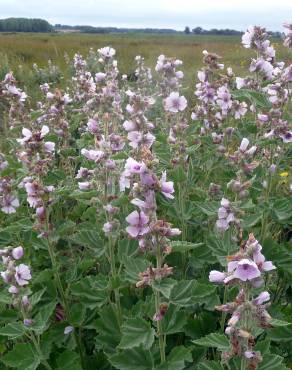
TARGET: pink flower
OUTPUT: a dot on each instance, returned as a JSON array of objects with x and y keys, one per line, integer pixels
[
  {"x": 138, "y": 222},
  {"x": 216, "y": 276},
  {"x": 263, "y": 297},
  {"x": 68, "y": 330},
  {"x": 107, "y": 52},
  {"x": 130, "y": 126},
  {"x": 44, "y": 131},
  {"x": 132, "y": 166},
  {"x": 108, "y": 227},
  {"x": 17, "y": 253},
  {"x": 248, "y": 37},
  {"x": 10, "y": 203},
  {"x": 93, "y": 155},
  {"x": 84, "y": 185},
  {"x": 246, "y": 270},
  {"x": 135, "y": 138},
  {"x": 22, "y": 274},
  {"x": 27, "y": 135},
  {"x": 263, "y": 117},
  {"x": 49, "y": 146},
  {"x": 224, "y": 99},
  {"x": 240, "y": 82},
  {"x": 175, "y": 103},
  {"x": 167, "y": 188},
  {"x": 13, "y": 290},
  {"x": 100, "y": 76},
  {"x": 93, "y": 126},
  {"x": 244, "y": 144}
]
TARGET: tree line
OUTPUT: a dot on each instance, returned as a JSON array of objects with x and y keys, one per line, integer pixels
[
  {"x": 41, "y": 25},
  {"x": 25, "y": 25},
  {"x": 226, "y": 32}
]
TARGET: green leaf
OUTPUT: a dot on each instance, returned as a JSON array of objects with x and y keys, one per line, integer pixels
[
  {"x": 276, "y": 322},
  {"x": 283, "y": 209},
  {"x": 221, "y": 247},
  {"x": 133, "y": 359},
  {"x": 68, "y": 360},
  {"x": 164, "y": 286},
  {"x": 216, "y": 340},
  {"x": 190, "y": 292},
  {"x": 257, "y": 98},
  {"x": 136, "y": 332},
  {"x": 251, "y": 220},
  {"x": 133, "y": 266},
  {"x": 208, "y": 208},
  {"x": 210, "y": 365},
  {"x": 272, "y": 362},
  {"x": 13, "y": 330},
  {"x": 91, "y": 290},
  {"x": 281, "y": 334},
  {"x": 22, "y": 357},
  {"x": 178, "y": 174},
  {"x": 36, "y": 297},
  {"x": 181, "y": 293},
  {"x": 90, "y": 239},
  {"x": 177, "y": 358},
  {"x": 126, "y": 247},
  {"x": 182, "y": 246},
  {"x": 108, "y": 329},
  {"x": 173, "y": 321},
  {"x": 42, "y": 318}
]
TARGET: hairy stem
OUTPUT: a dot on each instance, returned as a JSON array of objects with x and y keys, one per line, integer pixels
[{"x": 161, "y": 338}]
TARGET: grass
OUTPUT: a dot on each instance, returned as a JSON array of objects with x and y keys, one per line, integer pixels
[{"x": 20, "y": 49}]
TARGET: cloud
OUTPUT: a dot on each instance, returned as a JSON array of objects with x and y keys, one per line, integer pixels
[{"x": 236, "y": 14}]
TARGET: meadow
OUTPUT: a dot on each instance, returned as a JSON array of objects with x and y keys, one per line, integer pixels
[
  {"x": 145, "y": 202},
  {"x": 26, "y": 49}
]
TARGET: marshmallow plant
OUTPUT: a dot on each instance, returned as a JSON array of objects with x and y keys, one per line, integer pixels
[
  {"x": 124, "y": 192},
  {"x": 245, "y": 269}
]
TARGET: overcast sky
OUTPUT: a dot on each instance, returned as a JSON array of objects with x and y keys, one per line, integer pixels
[{"x": 236, "y": 14}]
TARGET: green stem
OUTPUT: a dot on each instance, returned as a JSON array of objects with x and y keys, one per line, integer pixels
[
  {"x": 223, "y": 317},
  {"x": 61, "y": 292},
  {"x": 183, "y": 225},
  {"x": 114, "y": 275},
  {"x": 38, "y": 349},
  {"x": 267, "y": 194},
  {"x": 32, "y": 338},
  {"x": 246, "y": 326},
  {"x": 161, "y": 337}
]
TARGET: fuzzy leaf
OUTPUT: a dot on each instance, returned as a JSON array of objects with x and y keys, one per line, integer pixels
[
  {"x": 133, "y": 359},
  {"x": 136, "y": 331},
  {"x": 216, "y": 340},
  {"x": 22, "y": 357}
]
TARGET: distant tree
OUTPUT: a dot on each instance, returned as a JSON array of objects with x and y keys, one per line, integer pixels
[
  {"x": 25, "y": 25},
  {"x": 198, "y": 30},
  {"x": 187, "y": 30}
]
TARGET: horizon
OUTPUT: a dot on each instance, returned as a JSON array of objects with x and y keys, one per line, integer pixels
[{"x": 160, "y": 14}]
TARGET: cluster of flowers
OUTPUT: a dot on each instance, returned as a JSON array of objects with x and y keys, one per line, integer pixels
[
  {"x": 245, "y": 269},
  {"x": 104, "y": 106},
  {"x": 266, "y": 67},
  {"x": 15, "y": 97},
  {"x": 8, "y": 201},
  {"x": 53, "y": 111},
  {"x": 213, "y": 92},
  {"x": 36, "y": 156},
  {"x": 143, "y": 74},
  {"x": 170, "y": 77},
  {"x": 16, "y": 276}
]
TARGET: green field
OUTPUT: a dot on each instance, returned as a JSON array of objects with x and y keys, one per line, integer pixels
[{"x": 25, "y": 49}]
